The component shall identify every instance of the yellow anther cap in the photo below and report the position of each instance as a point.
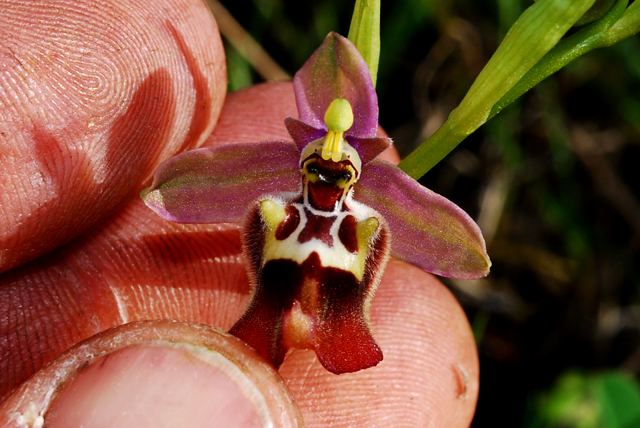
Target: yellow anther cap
(338, 118)
(339, 115)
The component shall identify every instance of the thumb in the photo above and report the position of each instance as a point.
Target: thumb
(154, 374)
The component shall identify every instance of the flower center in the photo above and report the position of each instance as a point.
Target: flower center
(338, 118)
(329, 165)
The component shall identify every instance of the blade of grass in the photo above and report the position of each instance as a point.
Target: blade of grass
(594, 36)
(365, 33)
(537, 30)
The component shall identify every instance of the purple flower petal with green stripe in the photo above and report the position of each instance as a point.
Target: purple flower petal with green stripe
(427, 229)
(219, 184)
(337, 70)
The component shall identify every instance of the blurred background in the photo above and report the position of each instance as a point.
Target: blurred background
(552, 181)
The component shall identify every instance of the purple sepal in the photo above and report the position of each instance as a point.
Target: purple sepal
(217, 185)
(303, 133)
(337, 70)
(427, 230)
(369, 148)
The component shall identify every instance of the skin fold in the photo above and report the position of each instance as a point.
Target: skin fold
(122, 263)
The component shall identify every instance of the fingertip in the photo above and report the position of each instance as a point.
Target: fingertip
(94, 102)
(255, 114)
(429, 341)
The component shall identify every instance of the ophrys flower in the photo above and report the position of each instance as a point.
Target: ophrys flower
(321, 216)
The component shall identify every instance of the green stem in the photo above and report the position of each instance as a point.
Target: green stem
(432, 151)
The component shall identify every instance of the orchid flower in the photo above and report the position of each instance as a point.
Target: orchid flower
(320, 215)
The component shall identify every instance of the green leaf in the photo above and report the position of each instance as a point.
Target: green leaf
(599, 8)
(365, 33)
(569, 403)
(608, 399)
(537, 30)
(627, 25)
(594, 36)
(619, 398)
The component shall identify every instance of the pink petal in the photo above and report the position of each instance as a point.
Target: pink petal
(337, 70)
(427, 230)
(217, 185)
(301, 133)
(369, 148)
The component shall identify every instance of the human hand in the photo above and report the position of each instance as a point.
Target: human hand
(137, 267)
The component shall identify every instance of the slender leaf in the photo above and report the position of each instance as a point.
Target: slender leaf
(537, 30)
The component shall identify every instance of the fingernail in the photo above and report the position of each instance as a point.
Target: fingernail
(159, 386)
(205, 379)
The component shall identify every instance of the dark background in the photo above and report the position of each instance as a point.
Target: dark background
(552, 180)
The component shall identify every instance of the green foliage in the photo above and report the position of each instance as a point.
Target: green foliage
(589, 38)
(577, 400)
(618, 397)
(524, 58)
(238, 70)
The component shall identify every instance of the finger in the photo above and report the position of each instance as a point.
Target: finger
(91, 101)
(430, 356)
(135, 267)
(415, 319)
(154, 374)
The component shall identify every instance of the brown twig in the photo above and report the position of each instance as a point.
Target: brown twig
(540, 261)
(590, 150)
(242, 41)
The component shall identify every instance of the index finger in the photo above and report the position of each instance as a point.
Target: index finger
(93, 96)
